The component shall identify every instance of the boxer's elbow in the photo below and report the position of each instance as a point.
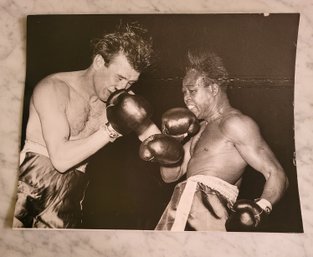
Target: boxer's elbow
(168, 179)
(170, 175)
(59, 167)
(58, 163)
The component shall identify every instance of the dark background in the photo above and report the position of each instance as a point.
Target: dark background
(259, 53)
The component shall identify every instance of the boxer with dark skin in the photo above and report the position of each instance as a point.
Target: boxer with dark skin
(226, 134)
(68, 123)
(215, 158)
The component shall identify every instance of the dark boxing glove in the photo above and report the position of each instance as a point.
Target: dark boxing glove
(127, 112)
(247, 215)
(179, 122)
(162, 149)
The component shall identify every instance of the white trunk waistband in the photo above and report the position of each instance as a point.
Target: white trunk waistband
(229, 191)
(34, 147)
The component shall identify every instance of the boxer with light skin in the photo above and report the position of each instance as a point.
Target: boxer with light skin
(215, 158)
(68, 123)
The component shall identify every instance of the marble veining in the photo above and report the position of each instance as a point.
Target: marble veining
(145, 243)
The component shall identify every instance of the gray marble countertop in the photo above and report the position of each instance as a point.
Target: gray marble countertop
(146, 243)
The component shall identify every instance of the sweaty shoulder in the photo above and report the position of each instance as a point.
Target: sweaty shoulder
(51, 88)
(238, 127)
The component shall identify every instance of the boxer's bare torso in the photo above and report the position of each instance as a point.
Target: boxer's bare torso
(213, 154)
(84, 116)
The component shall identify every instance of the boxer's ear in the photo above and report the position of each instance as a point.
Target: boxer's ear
(214, 88)
(98, 62)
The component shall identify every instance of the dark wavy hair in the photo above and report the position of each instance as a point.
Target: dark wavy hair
(130, 39)
(208, 63)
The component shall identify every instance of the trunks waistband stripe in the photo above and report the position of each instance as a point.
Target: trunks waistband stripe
(31, 146)
(230, 192)
(34, 147)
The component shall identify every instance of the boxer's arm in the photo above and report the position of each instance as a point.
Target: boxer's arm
(50, 99)
(172, 174)
(244, 133)
(151, 129)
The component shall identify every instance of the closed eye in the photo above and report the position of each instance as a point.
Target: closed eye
(120, 78)
(190, 91)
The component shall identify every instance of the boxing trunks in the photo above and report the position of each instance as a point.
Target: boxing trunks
(47, 198)
(200, 203)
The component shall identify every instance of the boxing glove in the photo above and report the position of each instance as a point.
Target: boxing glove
(127, 112)
(162, 149)
(179, 122)
(246, 215)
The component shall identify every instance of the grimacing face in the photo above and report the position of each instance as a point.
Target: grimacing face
(118, 74)
(198, 96)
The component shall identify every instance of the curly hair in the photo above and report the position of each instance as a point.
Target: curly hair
(208, 63)
(132, 40)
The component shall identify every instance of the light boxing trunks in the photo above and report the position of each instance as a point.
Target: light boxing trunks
(200, 203)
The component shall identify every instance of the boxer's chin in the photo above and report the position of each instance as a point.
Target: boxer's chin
(105, 95)
(194, 110)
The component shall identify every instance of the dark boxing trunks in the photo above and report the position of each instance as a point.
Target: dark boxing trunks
(47, 198)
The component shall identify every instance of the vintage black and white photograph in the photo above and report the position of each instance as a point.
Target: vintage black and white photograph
(166, 122)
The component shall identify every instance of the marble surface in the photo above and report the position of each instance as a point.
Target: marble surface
(143, 243)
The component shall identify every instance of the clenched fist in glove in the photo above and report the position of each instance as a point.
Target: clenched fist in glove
(247, 215)
(161, 148)
(127, 112)
(179, 122)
